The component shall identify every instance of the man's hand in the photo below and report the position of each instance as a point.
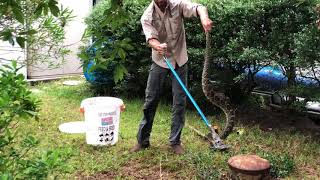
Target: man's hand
(156, 45)
(205, 20)
(161, 48)
(206, 24)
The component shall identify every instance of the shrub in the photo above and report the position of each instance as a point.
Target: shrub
(38, 27)
(248, 35)
(17, 104)
(119, 46)
(259, 33)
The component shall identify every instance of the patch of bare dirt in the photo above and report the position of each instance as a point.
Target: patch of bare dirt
(310, 172)
(269, 120)
(135, 169)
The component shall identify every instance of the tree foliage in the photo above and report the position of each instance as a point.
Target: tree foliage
(18, 156)
(38, 27)
(30, 24)
(113, 27)
(248, 35)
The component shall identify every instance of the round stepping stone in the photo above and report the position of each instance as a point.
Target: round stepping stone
(73, 127)
(71, 83)
(249, 167)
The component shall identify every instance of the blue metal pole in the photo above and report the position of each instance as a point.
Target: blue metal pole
(187, 92)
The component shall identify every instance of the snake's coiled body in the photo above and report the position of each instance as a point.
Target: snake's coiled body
(215, 96)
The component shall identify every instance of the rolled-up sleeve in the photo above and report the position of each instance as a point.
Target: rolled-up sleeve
(189, 9)
(149, 31)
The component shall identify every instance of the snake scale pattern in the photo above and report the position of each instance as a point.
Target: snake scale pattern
(215, 96)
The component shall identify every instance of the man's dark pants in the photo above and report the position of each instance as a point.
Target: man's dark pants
(156, 79)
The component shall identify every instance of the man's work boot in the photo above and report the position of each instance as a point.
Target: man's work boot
(138, 147)
(177, 149)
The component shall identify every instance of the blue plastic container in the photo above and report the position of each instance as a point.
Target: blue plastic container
(97, 76)
(273, 78)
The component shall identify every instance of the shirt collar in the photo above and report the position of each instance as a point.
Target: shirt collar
(158, 10)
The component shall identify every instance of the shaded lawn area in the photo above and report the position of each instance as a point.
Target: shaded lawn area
(294, 154)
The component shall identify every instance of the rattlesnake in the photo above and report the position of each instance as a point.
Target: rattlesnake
(215, 95)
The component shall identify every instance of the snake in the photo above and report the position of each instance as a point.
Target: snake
(214, 94)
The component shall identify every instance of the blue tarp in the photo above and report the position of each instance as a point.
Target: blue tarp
(273, 78)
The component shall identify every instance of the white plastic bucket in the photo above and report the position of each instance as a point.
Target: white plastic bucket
(102, 119)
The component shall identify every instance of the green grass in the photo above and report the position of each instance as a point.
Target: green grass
(294, 155)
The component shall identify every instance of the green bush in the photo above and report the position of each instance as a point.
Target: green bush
(17, 154)
(283, 31)
(139, 59)
(37, 26)
(119, 45)
(247, 34)
(253, 34)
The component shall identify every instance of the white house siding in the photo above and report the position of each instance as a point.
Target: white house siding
(9, 53)
(74, 31)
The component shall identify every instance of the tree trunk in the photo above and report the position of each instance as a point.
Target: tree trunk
(291, 74)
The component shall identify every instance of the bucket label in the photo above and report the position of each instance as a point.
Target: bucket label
(106, 121)
(106, 134)
(106, 137)
(105, 114)
(106, 128)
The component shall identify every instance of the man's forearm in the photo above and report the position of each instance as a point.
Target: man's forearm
(203, 12)
(204, 17)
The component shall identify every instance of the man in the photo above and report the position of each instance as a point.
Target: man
(162, 23)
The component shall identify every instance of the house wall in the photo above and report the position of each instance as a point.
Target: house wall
(9, 53)
(74, 31)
